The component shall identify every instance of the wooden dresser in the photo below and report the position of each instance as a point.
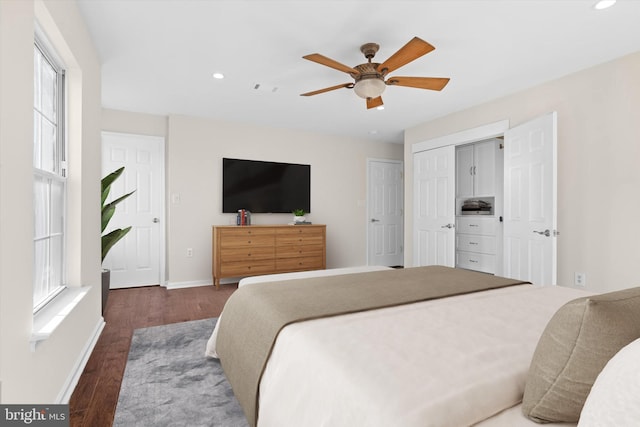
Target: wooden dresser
(252, 250)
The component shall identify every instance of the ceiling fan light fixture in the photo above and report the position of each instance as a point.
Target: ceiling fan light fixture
(604, 4)
(369, 87)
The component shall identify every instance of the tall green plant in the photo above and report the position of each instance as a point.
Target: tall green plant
(111, 238)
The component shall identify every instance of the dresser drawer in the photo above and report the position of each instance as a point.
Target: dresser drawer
(475, 261)
(252, 240)
(476, 243)
(245, 231)
(300, 235)
(476, 225)
(298, 264)
(253, 268)
(300, 230)
(293, 251)
(246, 253)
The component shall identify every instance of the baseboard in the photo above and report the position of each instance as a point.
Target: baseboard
(70, 384)
(189, 284)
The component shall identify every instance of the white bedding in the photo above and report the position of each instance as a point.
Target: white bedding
(312, 273)
(211, 343)
(448, 362)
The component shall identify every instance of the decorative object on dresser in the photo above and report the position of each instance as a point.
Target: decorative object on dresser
(266, 249)
(298, 216)
(243, 217)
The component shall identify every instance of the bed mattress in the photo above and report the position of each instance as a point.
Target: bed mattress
(449, 362)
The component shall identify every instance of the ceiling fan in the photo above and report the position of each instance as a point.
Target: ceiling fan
(370, 77)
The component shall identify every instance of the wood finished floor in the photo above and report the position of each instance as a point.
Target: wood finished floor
(93, 402)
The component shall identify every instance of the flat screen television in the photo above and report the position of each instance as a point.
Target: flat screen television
(265, 187)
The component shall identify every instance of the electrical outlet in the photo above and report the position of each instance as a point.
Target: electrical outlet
(189, 252)
(580, 279)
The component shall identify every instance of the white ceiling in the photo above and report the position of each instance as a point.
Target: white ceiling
(158, 56)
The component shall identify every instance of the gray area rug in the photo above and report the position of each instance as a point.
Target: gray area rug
(168, 381)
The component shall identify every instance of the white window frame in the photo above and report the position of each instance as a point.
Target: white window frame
(51, 280)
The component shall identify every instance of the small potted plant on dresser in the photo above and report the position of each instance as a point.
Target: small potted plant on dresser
(112, 237)
(298, 216)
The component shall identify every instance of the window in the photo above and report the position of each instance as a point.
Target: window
(49, 182)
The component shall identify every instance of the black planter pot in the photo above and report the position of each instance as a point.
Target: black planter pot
(106, 281)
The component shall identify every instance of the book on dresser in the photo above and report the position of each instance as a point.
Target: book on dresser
(254, 250)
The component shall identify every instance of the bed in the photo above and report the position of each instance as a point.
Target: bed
(450, 359)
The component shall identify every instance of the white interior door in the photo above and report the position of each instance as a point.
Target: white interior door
(434, 207)
(136, 260)
(530, 201)
(385, 212)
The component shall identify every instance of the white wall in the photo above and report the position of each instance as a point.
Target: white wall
(598, 155)
(194, 151)
(42, 376)
(194, 161)
(134, 123)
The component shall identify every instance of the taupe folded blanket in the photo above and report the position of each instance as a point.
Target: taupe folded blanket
(255, 314)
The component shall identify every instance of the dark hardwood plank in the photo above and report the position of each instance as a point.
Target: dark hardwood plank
(93, 402)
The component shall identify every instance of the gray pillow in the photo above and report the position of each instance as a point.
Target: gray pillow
(575, 346)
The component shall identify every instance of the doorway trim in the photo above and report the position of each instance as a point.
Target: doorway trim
(479, 133)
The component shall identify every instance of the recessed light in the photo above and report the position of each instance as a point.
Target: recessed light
(373, 132)
(604, 4)
(218, 76)
(381, 107)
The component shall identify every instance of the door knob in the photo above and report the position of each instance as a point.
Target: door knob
(546, 232)
(448, 226)
(375, 220)
(156, 220)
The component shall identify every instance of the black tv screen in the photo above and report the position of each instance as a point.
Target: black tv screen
(265, 187)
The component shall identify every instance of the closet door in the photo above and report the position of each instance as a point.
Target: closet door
(434, 207)
(530, 205)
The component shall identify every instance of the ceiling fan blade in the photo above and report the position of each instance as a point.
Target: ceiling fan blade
(374, 102)
(431, 83)
(327, 89)
(414, 49)
(323, 60)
